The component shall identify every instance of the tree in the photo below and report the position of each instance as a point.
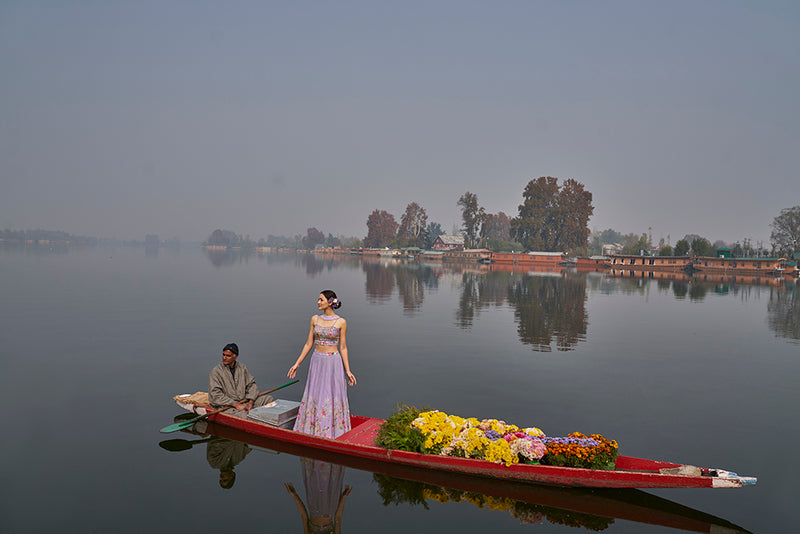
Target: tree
(381, 229)
(701, 247)
(224, 238)
(333, 241)
(682, 247)
(633, 244)
(553, 219)
(313, 238)
(472, 215)
(785, 234)
(600, 238)
(496, 227)
(412, 226)
(666, 250)
(433, 231)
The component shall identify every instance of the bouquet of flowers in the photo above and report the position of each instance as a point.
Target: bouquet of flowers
(577, 450)
(435, 432)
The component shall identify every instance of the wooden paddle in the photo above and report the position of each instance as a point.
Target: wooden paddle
(190, 422)
(176, 445)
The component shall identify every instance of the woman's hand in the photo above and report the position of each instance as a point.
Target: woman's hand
(292, 371)
(351, 378)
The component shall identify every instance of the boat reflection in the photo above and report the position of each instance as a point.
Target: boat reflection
(592, 509)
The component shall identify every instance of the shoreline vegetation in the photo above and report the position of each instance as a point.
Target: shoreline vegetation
(554, 218)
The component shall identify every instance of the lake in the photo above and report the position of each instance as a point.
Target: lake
(96, 342)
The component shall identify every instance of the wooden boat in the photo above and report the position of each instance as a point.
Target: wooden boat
(590, 508)
(630, 472)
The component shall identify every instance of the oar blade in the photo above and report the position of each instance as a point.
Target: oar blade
(177, 426)
(176, 445)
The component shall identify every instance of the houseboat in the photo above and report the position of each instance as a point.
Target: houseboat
(528, 258)
(731, 266)
(648, 263)
(469, 255)
(590, 263)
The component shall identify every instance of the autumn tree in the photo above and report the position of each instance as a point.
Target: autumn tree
(313, 238)
(553, 218)
(472, 216)
(412, 226)
(496, 226)
(381, 229)
(785, 234)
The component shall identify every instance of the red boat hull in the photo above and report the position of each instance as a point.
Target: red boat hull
(359, 443)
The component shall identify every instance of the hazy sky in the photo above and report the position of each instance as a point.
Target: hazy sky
(119, 119)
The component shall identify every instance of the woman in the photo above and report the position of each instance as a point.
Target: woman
(324, 410)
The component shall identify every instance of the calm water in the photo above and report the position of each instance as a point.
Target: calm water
(95, 344)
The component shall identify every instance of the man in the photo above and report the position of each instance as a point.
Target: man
(231, 384)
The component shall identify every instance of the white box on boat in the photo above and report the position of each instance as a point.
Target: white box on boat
(281, 412)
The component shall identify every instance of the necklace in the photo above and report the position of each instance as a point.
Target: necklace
(328, 317)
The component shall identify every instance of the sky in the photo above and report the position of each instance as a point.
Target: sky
(120, 119)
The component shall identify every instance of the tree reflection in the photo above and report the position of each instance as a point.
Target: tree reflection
(549, 309)
(312, 264)
(783, 316)
(411, 280)
(379, 281)
(480, 291)
(225, 257)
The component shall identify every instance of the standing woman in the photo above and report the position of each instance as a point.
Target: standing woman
(324, 410)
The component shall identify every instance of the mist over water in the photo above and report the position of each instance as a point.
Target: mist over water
(96, 342)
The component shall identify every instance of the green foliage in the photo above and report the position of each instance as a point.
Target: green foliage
(701, 247)
(681, 248)
(397, 433)
(473, 216)
(666, 250)
(785, 234)
(501, 245)
(634, 245)
(553, 218)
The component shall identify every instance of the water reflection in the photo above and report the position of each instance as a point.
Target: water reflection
(221, 453)
(325, 497)
(410, 278)
(398, 491)
(550, 310)
(549, 304)
(594, 510)
(222, 257)
(783, 312)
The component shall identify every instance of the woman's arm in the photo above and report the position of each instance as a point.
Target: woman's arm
(351, 379)
(306, 348)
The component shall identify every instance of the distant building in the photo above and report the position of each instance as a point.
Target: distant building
(448, 242)
(611, 248)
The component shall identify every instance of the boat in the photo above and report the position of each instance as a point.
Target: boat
(733, 266)
(590, 508)
(630, 262)
(629, 472)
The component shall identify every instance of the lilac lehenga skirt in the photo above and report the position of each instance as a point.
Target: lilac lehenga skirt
(324, 410)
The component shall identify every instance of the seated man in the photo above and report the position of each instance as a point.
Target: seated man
(231, 384)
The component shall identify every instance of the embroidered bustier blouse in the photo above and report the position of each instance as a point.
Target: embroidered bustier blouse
(326, 335)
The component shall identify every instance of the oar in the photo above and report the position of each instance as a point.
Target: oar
(175, 445)
(190, 422)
